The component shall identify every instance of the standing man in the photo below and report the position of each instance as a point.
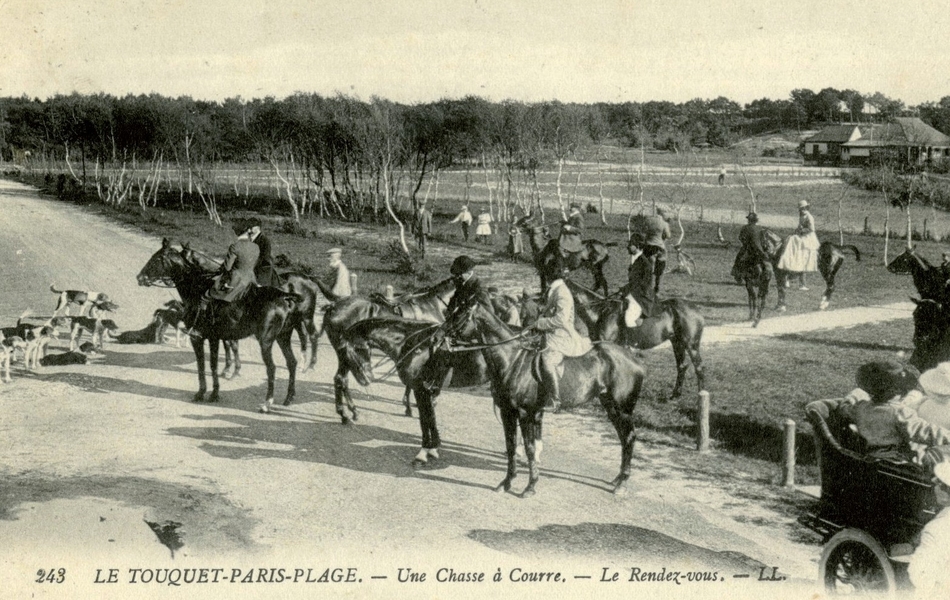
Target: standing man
(560, 337)
(465, 219)
(655, 234)
(264, 271)
(423, 228)
(337, 278)
(722, 175)
(928, 569)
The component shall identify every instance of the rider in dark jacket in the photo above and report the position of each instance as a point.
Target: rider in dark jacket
(753, 249)
(264, 270)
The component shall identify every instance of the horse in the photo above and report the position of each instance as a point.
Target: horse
(756, 278)
(306, 308)
(930, 281)
(410, 345)
(264, 312)
(677, 322)
(608, 372)
(427, 304)
(931, 334)
(593, 256)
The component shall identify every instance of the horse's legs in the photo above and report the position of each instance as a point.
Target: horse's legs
(267, 355)
(341, 390)
(406, 402)
(781, 280)
(427, 423)
(600, 280)
(532, 448)
(232, 362)
(199, 346)
(313, 335)
(751, 291)
(679, 353)
(829, 277)
(284, 341)
(626, 431)
(213, 348)
(509, 422)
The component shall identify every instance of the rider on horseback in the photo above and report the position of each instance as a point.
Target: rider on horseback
(560, 337)
(264, 270)
(752, 251)
(237, 271)
(640, 293)
(572, 231)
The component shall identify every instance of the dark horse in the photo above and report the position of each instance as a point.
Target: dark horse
(608, 372)
(931, 334)
(306, 328)
(930, 281)
(264, 312)
(757, 276)
(427, 304)
(593, 256)
(409, 344)
(677, 322)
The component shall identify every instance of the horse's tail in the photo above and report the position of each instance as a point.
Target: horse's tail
(857, 253)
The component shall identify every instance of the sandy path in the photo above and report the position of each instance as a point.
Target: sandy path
(92, 452)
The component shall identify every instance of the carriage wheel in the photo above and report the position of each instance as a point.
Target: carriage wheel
(853, 562)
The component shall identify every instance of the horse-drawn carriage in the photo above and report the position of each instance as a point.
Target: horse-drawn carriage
(867, 507)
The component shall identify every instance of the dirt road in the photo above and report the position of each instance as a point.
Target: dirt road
(94, 453)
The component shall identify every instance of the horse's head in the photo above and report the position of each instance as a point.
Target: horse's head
(355, 351)
(163, 267)
(931, 325)
(907, 262)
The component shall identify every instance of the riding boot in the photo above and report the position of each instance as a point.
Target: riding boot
(200, 313)
(550, 385)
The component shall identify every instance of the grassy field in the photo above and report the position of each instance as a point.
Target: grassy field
(754, 385)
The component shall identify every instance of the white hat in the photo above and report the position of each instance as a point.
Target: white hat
(942, 472)
(936, 381)
(802, 204)
(334, 251)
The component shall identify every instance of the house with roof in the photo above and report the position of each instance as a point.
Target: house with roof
(904, 140)
(825, 146)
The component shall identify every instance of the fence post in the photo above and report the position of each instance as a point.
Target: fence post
(353, 281)
(788, 468)
(702, 438)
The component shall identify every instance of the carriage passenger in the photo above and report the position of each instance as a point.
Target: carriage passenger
(885, 427)
(932, 401)
(927, 570)
(560, 337)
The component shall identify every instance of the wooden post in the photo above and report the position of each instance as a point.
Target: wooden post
(788, 468)
(702, 439)
(353, 283)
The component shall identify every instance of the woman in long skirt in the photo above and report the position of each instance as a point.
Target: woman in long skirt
(801, 250)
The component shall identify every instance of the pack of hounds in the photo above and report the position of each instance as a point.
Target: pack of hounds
(29, 339)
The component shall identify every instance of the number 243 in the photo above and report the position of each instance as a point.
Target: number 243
(51, 576)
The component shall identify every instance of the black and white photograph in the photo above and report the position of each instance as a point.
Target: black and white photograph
(474, 299)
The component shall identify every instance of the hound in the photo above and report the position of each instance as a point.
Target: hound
(9, 345)
(84, 299)
(37, 340)
(97, 327)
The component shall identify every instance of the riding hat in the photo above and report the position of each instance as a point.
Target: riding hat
(575, 205)
(241, 226)
(936, 381)
(462, 264)
(802, 204)
(334, 251)
(752, 217)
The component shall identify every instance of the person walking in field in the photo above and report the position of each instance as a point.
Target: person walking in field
(483, 229)
(801, 248)
(464, 218)
(722, 175)
(423, 228)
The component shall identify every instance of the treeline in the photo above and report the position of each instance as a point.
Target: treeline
(346, 156)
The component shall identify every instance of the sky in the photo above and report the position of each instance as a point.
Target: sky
(422, 50)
